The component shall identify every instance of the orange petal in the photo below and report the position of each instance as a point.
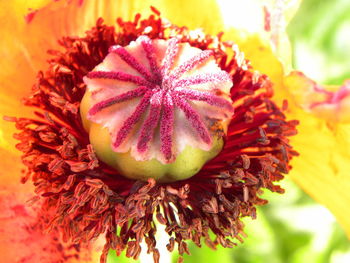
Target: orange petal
(17, 238)
(22, 238)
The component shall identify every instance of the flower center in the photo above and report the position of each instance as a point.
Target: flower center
(71, 183)
(158, 97)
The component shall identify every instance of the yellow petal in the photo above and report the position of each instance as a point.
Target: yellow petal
(322, 169)
(323, 141)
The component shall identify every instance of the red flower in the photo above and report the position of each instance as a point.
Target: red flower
(84, 198)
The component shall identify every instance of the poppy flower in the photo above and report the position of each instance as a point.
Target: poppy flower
(81, 195)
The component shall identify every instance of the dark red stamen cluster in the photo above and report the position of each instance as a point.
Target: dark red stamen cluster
(86, 198)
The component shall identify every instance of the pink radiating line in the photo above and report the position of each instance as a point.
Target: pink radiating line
(119, 76)
(194, 118)
(170, 54)
(132, 120)
(190, 64)
(166, 127)
(207, 97)
(131, 61)
(202, 79)
(117, 99)
(148, 47)
(148, 127)
(162, 89)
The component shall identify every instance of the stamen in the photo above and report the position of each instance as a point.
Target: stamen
(122, 76)
(166, 127)
(151, 123)
(131, 60)
(206, 97)
(191, 63)
(117, 99)
(151, 56)
(199, 79)
(170, 54)
(132, 120)
(194, 119)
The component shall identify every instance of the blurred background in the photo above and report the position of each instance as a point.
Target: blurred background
(320, 35)
(293, 228)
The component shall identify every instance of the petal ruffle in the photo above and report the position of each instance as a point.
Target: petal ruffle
(323, 142)
(330, 103)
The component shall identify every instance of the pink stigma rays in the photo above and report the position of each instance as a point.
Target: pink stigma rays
(158, 96)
